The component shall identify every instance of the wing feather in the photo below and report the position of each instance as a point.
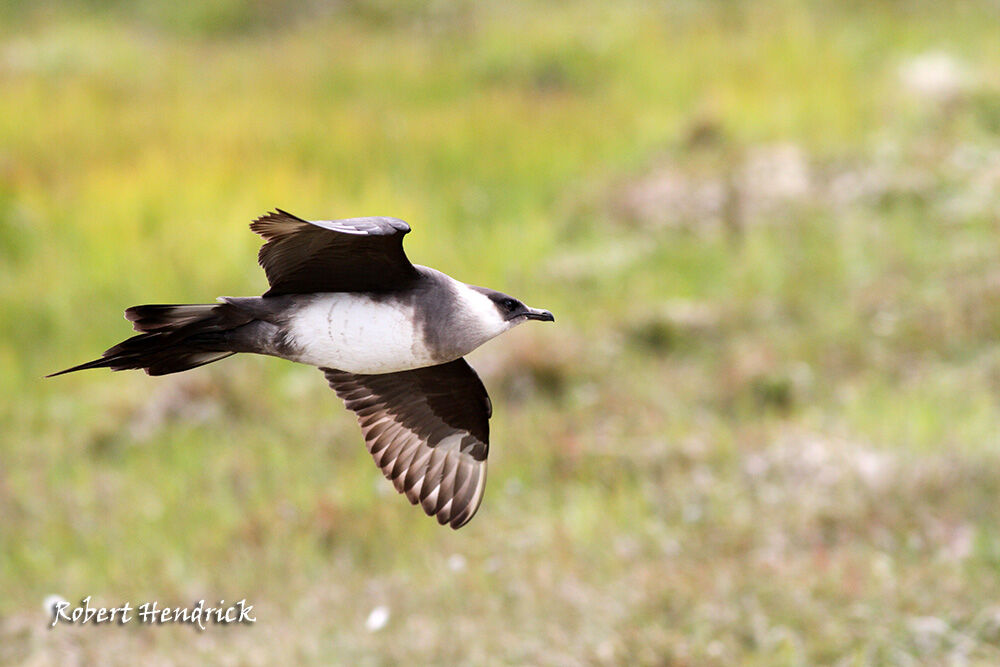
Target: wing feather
(428, 430)
(352, 255)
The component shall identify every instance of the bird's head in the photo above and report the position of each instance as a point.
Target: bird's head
(488, 313)
(513, 311)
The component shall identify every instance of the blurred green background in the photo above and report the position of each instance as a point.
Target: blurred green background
(764, 429)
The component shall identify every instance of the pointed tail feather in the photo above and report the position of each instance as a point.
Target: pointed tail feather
(174, 338)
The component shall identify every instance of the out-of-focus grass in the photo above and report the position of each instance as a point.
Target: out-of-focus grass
(763, 429)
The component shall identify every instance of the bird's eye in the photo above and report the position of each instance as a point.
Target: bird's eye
(509, 304)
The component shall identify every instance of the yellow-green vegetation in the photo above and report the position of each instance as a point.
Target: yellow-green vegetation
(763, 430)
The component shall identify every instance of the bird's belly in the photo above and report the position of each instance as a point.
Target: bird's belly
(357, 334)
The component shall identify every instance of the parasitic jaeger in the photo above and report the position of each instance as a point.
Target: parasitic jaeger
(390, 336)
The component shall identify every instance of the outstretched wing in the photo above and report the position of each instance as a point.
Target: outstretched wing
(428, 430)
(353, 255)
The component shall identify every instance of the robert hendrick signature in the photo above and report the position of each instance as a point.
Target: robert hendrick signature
(152, 613)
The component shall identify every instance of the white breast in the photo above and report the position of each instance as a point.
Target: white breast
(357, 334)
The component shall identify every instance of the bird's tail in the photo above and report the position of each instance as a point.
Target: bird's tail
(174, 338)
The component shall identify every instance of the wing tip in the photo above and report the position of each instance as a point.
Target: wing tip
(475, 501)
(263, 225)
(289, 215)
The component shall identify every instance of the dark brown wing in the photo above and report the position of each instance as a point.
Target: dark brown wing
(353, 255)
(428, 430)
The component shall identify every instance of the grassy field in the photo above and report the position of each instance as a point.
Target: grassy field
(763, 431)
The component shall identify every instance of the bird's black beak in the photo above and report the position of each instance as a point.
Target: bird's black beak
(541, 315)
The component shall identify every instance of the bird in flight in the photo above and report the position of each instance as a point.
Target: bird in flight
(390, 336)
